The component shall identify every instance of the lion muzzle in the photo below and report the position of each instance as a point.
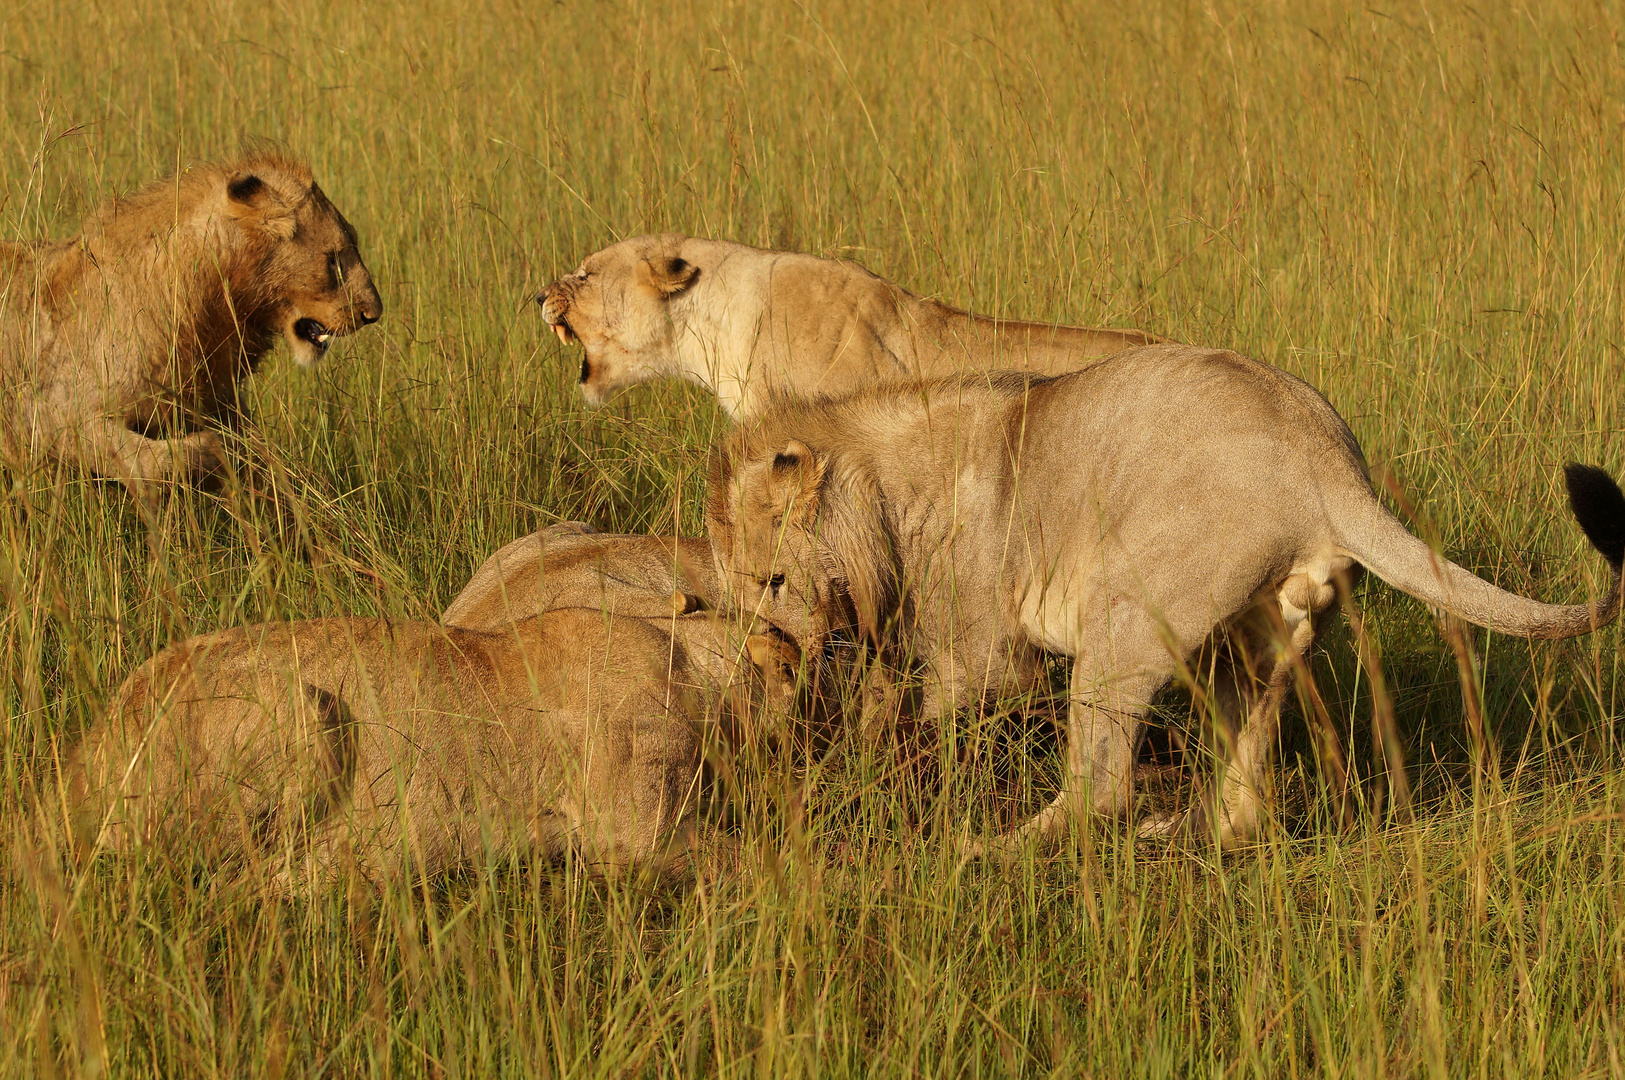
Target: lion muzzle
(555, 304)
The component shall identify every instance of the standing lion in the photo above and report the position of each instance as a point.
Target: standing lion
(1120, 515)
(123, 349)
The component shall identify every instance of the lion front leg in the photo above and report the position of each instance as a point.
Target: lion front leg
(1105, 721)
(145, 466)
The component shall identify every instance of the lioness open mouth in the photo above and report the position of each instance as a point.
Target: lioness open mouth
(562, 329)
(314, 332)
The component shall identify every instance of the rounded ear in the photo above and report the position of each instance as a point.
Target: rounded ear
(795, 477)
(253, 202)
(667, 274)
(245, 188)
(683, 603)
(794, 453)
(760, 648)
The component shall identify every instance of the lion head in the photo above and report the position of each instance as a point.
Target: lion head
(616, 306)
(261, 228)
(308, 275)
(792, 543)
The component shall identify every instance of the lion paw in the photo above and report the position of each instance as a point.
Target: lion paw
(1161, 825)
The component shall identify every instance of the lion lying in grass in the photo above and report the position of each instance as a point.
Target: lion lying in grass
(569, 565)
(389, 745)
(123, 349)
(746, 324)
(1121, 515)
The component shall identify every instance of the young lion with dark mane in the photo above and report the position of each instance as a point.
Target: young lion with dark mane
(122, 349)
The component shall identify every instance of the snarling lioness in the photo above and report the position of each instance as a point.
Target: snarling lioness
(410, 745)
(123, 348)
(570, 565)
(746, 323)
(1119, 515)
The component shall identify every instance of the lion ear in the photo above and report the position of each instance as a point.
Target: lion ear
(795, 477)
(718, 510)
(667, 274)
(246, 189)
(760, 648)
(252, 202)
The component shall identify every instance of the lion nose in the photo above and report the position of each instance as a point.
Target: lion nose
(371, 311)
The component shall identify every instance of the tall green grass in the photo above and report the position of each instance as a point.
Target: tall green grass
(1418, 210)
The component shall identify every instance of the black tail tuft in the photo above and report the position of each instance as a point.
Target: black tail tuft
(1599, 507)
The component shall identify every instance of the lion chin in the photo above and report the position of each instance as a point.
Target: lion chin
(308, 339)
(593, 394)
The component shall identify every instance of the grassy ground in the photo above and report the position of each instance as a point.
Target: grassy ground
(1417, 210)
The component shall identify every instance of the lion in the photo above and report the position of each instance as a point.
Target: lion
(123, 349)
(570, 565)
(1119, 515)
(391, 746)
(747, 323)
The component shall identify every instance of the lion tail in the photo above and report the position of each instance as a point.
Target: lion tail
(1381, 542)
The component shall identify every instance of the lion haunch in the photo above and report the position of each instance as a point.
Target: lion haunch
(123, 348)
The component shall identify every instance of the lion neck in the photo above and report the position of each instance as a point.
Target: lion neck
(202, 282)
(702, 326)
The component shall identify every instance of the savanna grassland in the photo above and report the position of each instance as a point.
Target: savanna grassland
(1419, 210)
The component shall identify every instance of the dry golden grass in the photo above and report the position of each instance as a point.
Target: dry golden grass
(1418, 210)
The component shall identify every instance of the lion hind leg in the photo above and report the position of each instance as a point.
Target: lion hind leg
(1233, 688)
(1242, 798)
(1241, 804)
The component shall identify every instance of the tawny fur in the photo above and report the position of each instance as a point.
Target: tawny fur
(122, 348)
(747, 323)
(382, 745)
(570, 565)
(1118, 515)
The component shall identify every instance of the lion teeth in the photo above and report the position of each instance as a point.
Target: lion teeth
(564, 335)
(321, 339)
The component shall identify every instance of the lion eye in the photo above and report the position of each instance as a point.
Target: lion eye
(776, 583)
(335, 272)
